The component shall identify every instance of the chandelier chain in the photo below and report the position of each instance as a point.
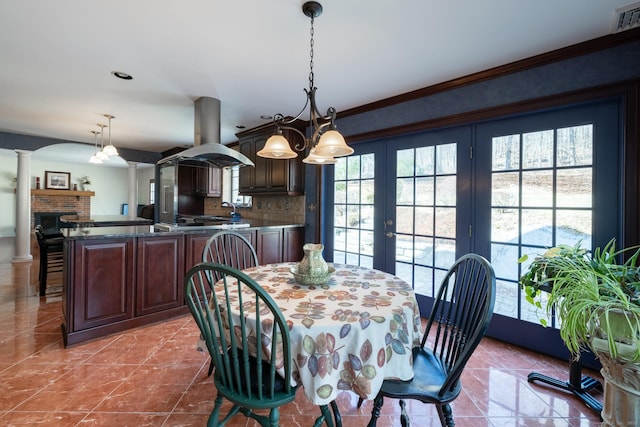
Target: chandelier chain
(325, 142)
(311, 56)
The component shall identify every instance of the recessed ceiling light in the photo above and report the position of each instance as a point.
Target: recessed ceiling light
(266, 117)
(121, 75)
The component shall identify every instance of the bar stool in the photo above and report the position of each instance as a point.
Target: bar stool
(51, 256)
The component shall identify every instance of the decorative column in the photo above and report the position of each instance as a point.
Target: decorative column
(23, 208)
(132, 199)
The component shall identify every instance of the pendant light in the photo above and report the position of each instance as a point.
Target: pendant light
(95, 159)
(101, 154)
(325, 142)
(110, 149)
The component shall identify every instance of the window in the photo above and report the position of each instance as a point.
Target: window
(152, 191)
(231, 187)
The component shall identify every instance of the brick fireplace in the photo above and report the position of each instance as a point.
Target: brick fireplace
(56, 203)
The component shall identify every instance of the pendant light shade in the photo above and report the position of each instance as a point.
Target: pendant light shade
(101, 154)
(277, 147)
(95, 159)
(110, 149)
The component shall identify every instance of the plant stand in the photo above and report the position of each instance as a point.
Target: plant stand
(621, 392)
(577, 384)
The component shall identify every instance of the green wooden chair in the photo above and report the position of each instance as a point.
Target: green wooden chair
(459, 319)
(232, 249)
(246, 371)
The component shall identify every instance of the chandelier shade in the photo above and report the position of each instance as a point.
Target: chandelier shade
(277, 147)
(316, 159)
(325, 142)
(332, 144)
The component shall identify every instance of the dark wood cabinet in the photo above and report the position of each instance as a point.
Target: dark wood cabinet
(214, 182)
(160, 261)
(189, 201)
(114, 284)
(269, 176)
(199, 181)
(293, 240)
(102, 275)
(269, 245)
(194, 244)
(185, 180)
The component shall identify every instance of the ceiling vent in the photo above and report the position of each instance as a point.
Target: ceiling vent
(626, 18)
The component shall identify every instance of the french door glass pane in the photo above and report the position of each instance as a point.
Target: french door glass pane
(541, 196)
(426, 187)
(354, 210)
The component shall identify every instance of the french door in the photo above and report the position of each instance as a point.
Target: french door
(542, 180)
(403, 206)
(412, 204)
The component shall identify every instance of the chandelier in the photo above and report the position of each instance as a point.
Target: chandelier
(325, 143)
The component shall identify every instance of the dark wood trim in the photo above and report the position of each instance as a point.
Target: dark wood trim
(506, 110)
(572, 51)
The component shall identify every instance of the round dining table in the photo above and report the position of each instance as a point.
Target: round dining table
(348, 334)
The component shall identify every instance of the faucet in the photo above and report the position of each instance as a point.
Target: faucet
(229, 204)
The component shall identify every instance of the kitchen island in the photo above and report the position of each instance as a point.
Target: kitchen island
(117, 278)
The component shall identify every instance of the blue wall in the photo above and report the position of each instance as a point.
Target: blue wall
(604, 67)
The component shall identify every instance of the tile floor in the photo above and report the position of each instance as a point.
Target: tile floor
(152, 376)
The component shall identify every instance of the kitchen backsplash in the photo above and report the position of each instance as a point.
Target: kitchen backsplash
(275, 208)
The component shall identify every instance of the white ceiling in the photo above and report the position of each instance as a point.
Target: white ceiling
(57, 57)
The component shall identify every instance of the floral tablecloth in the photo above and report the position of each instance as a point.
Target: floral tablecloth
(348, 334)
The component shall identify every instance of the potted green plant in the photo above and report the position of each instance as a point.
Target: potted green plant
(86, 183)
(597, 300)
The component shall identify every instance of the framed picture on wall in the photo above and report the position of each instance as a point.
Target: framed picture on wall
(57, 180)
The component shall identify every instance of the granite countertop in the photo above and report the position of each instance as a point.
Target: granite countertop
(93, 232)
(103, 220)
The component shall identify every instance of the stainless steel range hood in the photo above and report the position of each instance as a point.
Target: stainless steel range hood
(207, 147)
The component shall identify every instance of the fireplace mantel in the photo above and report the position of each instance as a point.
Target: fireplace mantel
(62, 193)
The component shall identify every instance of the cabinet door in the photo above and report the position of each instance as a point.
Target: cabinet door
(185, 180)
(214, 184)
(293, 242)
(278, 174)
(194, 244)
(160, 273)
(249, 234)
(269, 245)
(246, 174)
(263, 166)
(200, 181)
(271, 176)
(102, 282)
